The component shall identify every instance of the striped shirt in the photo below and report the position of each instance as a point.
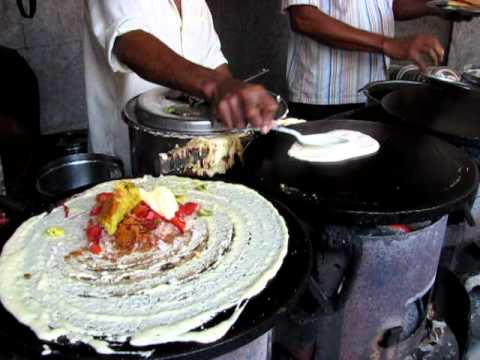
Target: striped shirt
(318, 74)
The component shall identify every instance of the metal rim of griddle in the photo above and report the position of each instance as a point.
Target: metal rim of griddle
(144, 121)
(384, 87)
(258, 317)
(311, 205)
(385, 83)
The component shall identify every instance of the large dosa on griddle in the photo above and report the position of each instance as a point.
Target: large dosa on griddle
(149, 297)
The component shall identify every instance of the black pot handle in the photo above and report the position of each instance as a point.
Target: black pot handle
(32, 8)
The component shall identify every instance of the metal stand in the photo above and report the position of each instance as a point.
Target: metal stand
(380, 306)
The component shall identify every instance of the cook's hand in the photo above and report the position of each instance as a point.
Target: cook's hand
(236, 103)
(418, 49)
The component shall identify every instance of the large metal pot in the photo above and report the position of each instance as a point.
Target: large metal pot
(155, 131)
(71, 174)
(63, 143)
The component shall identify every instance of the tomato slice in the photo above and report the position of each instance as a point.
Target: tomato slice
(105, 196)
(151, 215)
(94, 233)
(95, 249)
(150, 225)
(96, 210)
(188, 209)
(142, 210)
(179, 223)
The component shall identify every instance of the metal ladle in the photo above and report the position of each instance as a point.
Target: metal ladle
(312, 139)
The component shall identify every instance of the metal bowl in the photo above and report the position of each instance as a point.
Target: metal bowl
(71, 174)
(472, 76)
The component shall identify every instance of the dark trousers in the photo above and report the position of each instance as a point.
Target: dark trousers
(318, 112)
(19, 122)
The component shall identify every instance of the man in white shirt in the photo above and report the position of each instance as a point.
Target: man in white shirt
(338, 46)
(132, 46)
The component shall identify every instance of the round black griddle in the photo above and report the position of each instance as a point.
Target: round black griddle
(454, 115)
(413, 177)
(257, 318)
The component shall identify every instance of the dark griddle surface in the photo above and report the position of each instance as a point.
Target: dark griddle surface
(413, 177)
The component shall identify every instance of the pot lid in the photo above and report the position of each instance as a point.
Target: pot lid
(453, 114)
(154, 110)
(413, 177)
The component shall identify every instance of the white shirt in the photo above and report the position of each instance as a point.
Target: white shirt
(321, 75)
(110, 84)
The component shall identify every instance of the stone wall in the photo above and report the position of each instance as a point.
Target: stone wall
(428, 25)
(465, 47)
(52, 45)
(253, 34)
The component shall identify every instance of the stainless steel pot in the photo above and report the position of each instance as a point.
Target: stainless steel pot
(70, 174)
(155, 131)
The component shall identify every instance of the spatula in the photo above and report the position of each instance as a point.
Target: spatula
(312, 139)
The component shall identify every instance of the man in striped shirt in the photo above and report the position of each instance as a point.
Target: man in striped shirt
(338, 46)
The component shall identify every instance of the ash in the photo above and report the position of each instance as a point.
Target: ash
(474, 350)
(439, 345)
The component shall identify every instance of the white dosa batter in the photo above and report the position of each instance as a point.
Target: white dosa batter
(137, 298)
(339, 145)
